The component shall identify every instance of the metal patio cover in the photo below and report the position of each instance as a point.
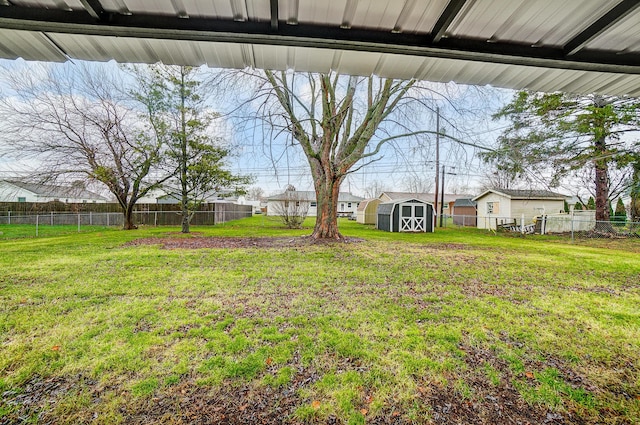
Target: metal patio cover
(580, 46)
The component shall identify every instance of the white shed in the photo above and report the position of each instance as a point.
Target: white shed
(500, 206)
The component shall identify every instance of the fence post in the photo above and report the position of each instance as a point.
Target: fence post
(37, 219)
(78, 222)
(107, 219)
(155, 219)
(572, 217)
(52, 218)
(9, 217)
(90, 218)
(522, 224)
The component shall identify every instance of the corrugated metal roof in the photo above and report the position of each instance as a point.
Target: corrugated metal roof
(582, 46)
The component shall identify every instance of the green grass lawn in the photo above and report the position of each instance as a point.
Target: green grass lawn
(398, 328)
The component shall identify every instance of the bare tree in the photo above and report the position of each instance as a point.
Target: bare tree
(77, 123)
(333, 118)
(418, 184)
(255, 193)
(292, 209)
(375, 189)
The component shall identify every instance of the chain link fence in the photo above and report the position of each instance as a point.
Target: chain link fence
(149, 218)
(573, 226)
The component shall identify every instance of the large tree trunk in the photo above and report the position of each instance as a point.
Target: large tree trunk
(185, 216)
(128, 218)
(327, 188)
(602, 193)
(602, 181)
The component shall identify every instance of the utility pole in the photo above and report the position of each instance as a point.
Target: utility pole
(442, 197)
(435, 202)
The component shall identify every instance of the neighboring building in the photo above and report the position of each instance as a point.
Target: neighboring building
(161, 196)
(465, 212)
(405, 215)
(302, 200)
(449, 199)
(19, 191)
(499, 206)
(367, 211)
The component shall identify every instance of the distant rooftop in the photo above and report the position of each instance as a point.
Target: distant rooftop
(310, 196)
(526, 194)
(54, 191)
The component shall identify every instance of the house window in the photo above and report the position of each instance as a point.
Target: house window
(286, 204)
(349, 205)
(341, 207)
(297, 203)
(22, 199)
(493, 207)
(314, 204)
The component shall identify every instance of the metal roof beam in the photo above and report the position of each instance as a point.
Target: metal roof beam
(316, 36)
(274, 15)
(448, 15)
(94, 8)
(609, 19)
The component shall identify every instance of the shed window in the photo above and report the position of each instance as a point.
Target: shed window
(493, 207)
(22, 199)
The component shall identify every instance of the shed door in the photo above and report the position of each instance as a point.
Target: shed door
(413, 218)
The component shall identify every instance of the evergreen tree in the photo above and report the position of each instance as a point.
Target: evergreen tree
(567, 133)
(175, 100)
(620, 214)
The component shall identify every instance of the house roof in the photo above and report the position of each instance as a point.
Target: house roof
(310, 196)
(525, 194)
(427, 197)
(57, 192)
(464, 202)
(571, 45)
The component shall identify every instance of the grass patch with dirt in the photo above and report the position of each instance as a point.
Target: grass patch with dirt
(457, 326)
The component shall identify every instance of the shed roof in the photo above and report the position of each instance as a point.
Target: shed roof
(581, 46)
(427, 197)
(525, 194)
(402, 201)
(364, 204)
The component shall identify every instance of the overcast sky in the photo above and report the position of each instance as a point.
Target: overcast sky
(404, 165)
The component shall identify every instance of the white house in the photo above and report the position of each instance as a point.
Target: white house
(19, 191)
(305, 200)
(499, 206)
